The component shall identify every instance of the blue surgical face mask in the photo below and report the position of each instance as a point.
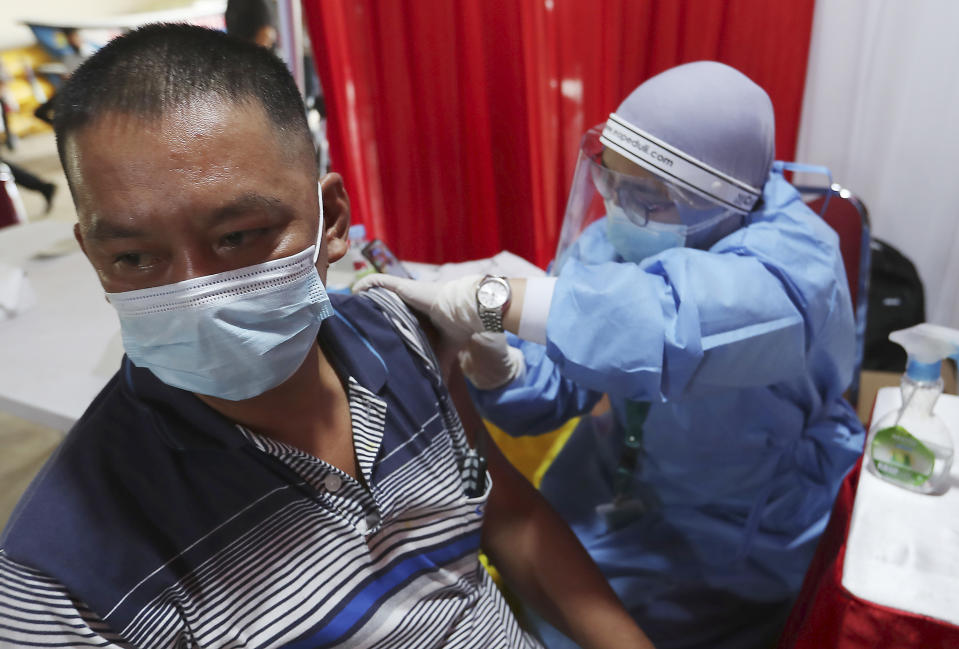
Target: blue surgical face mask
(232, 335)
(637, 242)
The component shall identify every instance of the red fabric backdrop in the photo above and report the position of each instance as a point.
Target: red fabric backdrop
(456, 124)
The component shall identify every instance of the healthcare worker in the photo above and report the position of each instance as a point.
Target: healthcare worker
(696, 289)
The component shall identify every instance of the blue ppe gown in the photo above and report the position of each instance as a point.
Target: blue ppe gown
(742, 353)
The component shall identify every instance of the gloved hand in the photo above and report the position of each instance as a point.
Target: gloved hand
(489, 362)
(451, 306)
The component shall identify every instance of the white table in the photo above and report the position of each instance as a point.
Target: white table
(901, 546)
(56, 356)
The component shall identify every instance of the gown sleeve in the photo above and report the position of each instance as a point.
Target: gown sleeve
(538, 401)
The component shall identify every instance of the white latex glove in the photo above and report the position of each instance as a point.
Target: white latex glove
(451, 306)
(489, 362)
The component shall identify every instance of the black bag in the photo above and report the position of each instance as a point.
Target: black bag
(896, 301)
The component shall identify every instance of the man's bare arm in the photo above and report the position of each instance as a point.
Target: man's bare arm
(540, 557)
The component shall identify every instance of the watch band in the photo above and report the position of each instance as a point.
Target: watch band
(492, 317)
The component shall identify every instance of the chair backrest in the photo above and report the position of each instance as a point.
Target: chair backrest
(847, 215)
(11, 207)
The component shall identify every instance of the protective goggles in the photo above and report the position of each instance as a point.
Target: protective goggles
(639, 193)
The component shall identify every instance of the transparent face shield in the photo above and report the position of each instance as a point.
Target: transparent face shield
(643, 213)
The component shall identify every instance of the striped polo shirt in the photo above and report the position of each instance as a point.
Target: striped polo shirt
(159, 523)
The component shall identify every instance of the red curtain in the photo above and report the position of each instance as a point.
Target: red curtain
(456, 123)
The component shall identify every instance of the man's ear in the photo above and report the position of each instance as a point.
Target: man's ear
(336, 215)
(78, 235)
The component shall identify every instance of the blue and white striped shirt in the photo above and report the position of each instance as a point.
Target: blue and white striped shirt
(159, 523)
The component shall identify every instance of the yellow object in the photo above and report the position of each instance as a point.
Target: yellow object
(532, 455)
(13, 59)
(22, 121)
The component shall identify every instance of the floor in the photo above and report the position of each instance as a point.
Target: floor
(24, 446)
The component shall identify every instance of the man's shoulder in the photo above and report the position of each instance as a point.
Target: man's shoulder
(372, 307)
(143, 474)
(73, 463)
(72, 501)
(80, 475)
(385, 321)
(390, 353)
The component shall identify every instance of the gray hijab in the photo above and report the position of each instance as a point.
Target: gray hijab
(711, 112)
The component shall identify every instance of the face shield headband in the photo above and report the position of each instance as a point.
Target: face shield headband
(673, 165)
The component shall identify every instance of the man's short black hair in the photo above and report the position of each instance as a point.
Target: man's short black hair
(155, 70)
(244, 18)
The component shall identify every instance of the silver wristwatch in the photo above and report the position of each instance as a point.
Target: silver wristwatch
(492, 299)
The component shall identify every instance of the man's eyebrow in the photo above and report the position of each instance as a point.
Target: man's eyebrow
(248, 203)
(103, 230)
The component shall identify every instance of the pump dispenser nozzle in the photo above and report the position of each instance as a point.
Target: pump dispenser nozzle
(927, 345)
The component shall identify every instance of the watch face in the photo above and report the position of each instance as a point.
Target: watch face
(492, 294)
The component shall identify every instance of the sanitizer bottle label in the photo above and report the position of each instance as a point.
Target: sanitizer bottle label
(900, 456)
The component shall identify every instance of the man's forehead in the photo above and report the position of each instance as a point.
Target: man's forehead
(188, 127)
(199, 132)
(198, 117)
(129, 166)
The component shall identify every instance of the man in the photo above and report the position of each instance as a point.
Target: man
(26, 179)
(252, 20)
(267, 468)
(698, 291)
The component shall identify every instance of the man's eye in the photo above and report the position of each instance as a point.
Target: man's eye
(134, 260)
(237, 239)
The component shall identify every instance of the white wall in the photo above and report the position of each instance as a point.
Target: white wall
(880, 109)
(13, 34)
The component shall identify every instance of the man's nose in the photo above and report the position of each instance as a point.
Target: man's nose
(198, 261)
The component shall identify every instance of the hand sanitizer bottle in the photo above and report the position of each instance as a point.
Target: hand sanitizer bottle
(912, 447)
